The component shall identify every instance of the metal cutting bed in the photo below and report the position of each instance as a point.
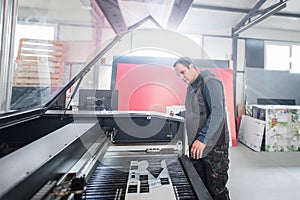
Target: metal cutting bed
(111, 178)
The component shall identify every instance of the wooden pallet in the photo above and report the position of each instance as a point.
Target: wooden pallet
(39, 63)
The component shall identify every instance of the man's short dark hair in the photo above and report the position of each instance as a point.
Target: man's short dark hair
(185, 61)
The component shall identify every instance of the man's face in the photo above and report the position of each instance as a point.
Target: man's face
(188, 75)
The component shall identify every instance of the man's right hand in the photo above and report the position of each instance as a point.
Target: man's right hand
(197, 149)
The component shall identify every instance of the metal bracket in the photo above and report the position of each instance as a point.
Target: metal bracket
(255, 16)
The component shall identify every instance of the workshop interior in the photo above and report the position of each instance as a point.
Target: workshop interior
(91, 105)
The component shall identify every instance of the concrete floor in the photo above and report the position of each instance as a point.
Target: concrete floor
(263, 175)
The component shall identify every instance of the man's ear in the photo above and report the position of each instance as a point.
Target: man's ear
(190, 66)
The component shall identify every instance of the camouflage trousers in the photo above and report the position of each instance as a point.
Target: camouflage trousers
(213, 170)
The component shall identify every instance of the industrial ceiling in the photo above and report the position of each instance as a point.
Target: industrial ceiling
(210, 17)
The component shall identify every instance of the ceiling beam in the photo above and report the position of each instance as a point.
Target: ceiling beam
(112, 12)
(248, 16)
(178, 11)
(255, 16)
(240, 10)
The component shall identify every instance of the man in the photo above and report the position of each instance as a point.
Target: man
(206, 126)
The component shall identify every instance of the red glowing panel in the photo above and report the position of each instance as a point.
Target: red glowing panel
(148, 87)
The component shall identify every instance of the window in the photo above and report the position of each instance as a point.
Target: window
(282, 56)
(33, 32)
(33, 69)
(295, 59)
(277, 57)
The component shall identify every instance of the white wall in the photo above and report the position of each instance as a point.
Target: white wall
(168, 41)
(217, 48)
(271, 34)
(68, 33)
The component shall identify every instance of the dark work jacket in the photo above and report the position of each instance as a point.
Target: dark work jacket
(205, 112)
